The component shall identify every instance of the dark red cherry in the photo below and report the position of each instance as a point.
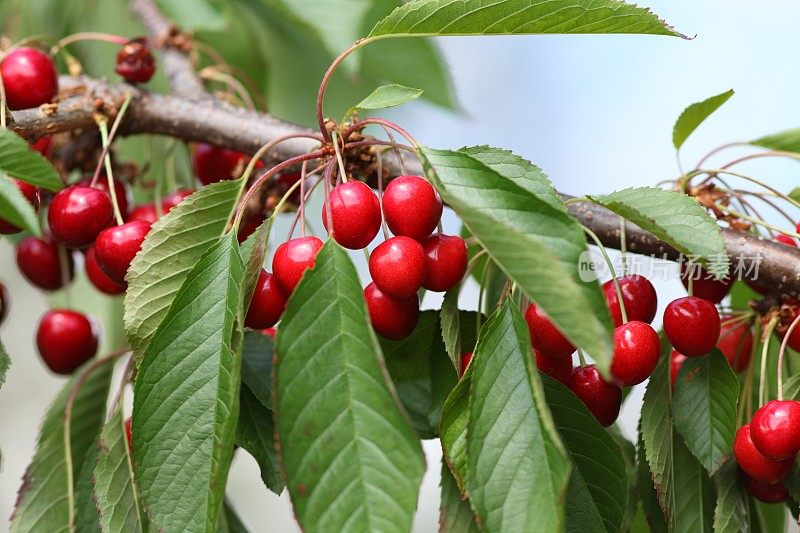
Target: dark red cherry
(116, 247)
(29, 77)
(466, 357)
(66, 340)
(558, 368)
(445, 261)
(705, 285)
(213, 163)
(356, 214)
(100, 279)
(250, 223)
(692, 325)
(794, 337)
(135, 63)
(545, 336)
(121, 189)
(31, 194)
(785, 239)
(292, 259)
(144, 212)
(766, 492)
(173, 199)
(636, 353)
(775, 429)
(43, 145)
(754, 463)
(268, 303)
(392, 318)
(676, 360)
(412, 207)
(287, 179)
(3, 302)
(40, 262)
(78, 214)
(397, 266)
(128, 433)
(736, 342)
(638, 295)
(603, 399)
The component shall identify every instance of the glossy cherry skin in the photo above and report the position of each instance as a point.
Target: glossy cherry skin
(766, 492)
(466, 357)
(43, 145)
(356, 214)
(775, 429)
(545, 337)
(636, 353)
(676, 360)
(40, 263)
(736, 342)
(144, 212)
(268, 303)
(754, 463)
(445, 261)
(704, 285)
(29, 77)
(213, 163)
(66, 340)
(135, 63)
(292, 259)
(558, 368)
(121, 189)
(392, 318)
(397, 266)
(411, 206)
(31, 194)
(3, 302)
(173, 199)
(638, 295)
(116, 247)
(78, 214)
(100, 279)
(248, 226)
(603, 399)
(692, 325)
(785, 239)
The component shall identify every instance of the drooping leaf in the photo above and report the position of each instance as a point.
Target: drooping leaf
(255, 432)
(628, 450)
(694, 115)
(517, 469)
(786, 141)
(694, 492)
(186, 396)
(42, 502)
(453, 429)
(18, 160)
(350, 457)
(704, 408)
(16, 209)
(455, 514)
(258, 350)
(675, 218)
(647, 492)
(198, 15)
(450, 325)
(172, 248)
(512, 17)
(730, 513)
(388, 96)
(592, 504)
(536, 244)
(87, 518)
(253, 251)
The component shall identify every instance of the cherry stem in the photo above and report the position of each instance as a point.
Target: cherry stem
(213, 74)
(381, 122)
(3, 105)
(339, 159)
(581, 358)
(780, 354)
(623, 246)
(112, 191)
(396, 149)
(474, 260)
(717, 150)
(745, 177)
(63, 265)
(384, 227)
(378, 142)
(757, 221)
(771, 153)
(303, 199)
(324, 85)
(88, 36)
(326, 178)
(747, 390)
(107, 146)
(484, 279)
(610, 265)
(765, 338)
(763, 197)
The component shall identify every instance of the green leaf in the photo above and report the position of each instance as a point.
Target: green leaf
(197, 15)
(16, 209)
(174, 245)
(647, 492)
(536, 244)
(517, 469)
(388, 96)
(253, 251)
(258, 350)
(43, 503)
(795, 194)
(115, 491)
(512, 17)
(255, 432)
(628, 450)
(453, 429)
(450, 323)
(704, 408)
(186, 396)
(791, 388)
(785, 141)
(694, 493)
(597, 496)
(351, 459)
(694, 115)
(87, 518)
(730, 514)
(5, 363)
(229, 521)
(455, 514)
(18, 160)
(675, 218)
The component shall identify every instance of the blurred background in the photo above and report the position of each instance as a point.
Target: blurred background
(595, 112)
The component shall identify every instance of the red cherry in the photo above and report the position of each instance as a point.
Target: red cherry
(603, 399)
(291, 260)
(144, 212)
(3, 302)
(268, 303)
(445, 261)
(397, 266)
(676, 360)
(249, 225)
(775, 429)
(545, 336)
(704, 285)
(66, 340)
(287, 179)
(116, 247)
(39, 261)
(100, 279)
(558, 368)
(135, 63)
(173, 199)
(785, 239)
(636, 353)
(29, 77)
(271, 332)
(43, 145)
(466, 357)
(766, 492)
(692, 325)
(392, 318)
(31, 194)
(356, 214)
(736, 342)
(128, 434)
(754, 463)
(214, 163)
(639, 297)
(78, 214)
(794, 337)
(121, 189)
(412, 207)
